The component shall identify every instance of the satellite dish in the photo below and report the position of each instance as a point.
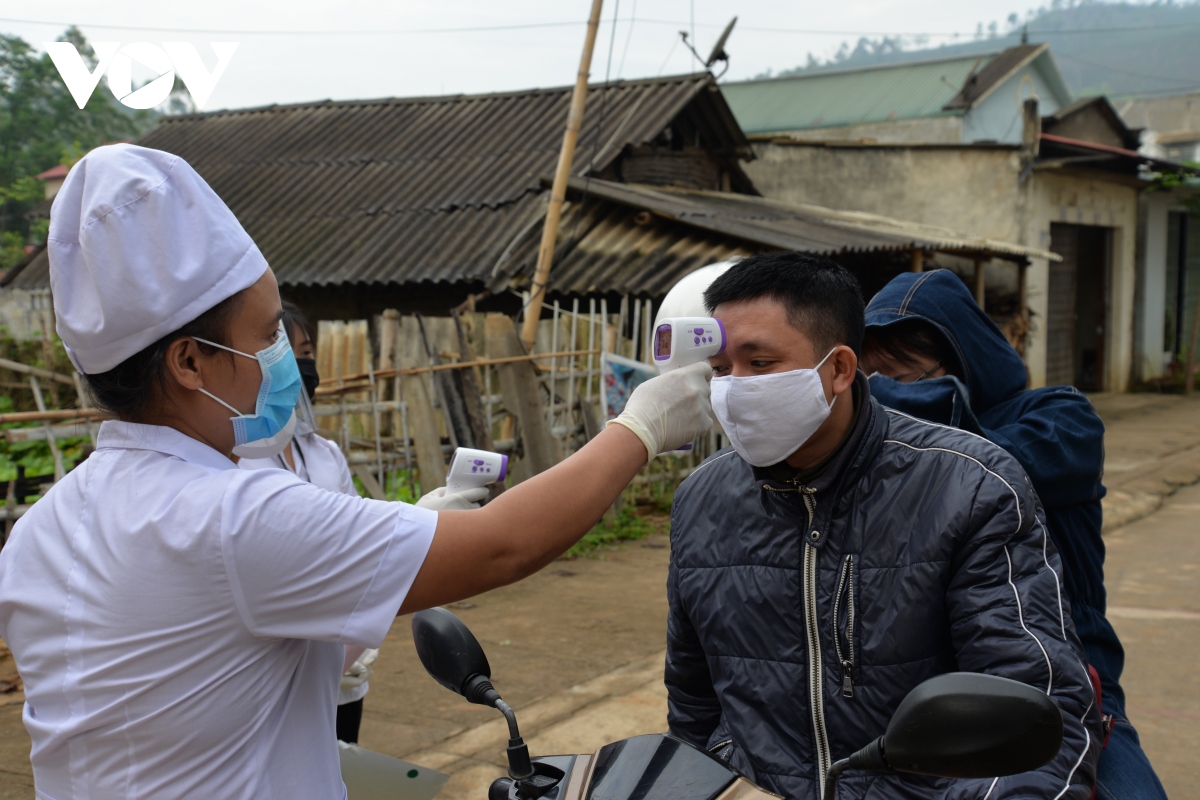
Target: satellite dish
(718, 51)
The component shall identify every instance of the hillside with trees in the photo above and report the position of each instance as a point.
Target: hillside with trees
(1118, 49)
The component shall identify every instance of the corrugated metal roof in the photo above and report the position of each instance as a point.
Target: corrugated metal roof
(421, 189)
(34, 275)
(797, 226)
(636, 239)
(991, 73)
(854, 96)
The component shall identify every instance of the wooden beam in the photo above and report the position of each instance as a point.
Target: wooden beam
(918, 260)
(25, 369)
(424, 428)
(980, 283)
(350, 382)
(53, 415)
(522, 397)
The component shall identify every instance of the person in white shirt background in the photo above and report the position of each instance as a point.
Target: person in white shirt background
(319, 461)
(181, 624)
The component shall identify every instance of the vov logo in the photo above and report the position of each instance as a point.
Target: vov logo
(117, 61)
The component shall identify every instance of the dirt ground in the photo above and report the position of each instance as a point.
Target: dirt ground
(580, 644)
(569, 623)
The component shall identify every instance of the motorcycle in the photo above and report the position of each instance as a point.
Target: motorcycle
(956, 725)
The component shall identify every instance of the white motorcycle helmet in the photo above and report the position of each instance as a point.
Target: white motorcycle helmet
(686, 298)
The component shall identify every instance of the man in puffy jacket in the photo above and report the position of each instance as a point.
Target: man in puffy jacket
(842, 553)
(942, 359)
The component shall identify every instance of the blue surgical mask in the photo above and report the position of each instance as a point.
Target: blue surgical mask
(266, 432)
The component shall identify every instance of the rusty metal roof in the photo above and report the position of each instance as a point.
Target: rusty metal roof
(419, 189)
(635, 239)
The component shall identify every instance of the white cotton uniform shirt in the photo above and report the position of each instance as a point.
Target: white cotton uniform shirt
(321, 463)
(179, 623)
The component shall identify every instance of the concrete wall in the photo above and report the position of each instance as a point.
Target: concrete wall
(1151, 351)
(932, 130)
(998, 117)
(972, 190)
(25, 313)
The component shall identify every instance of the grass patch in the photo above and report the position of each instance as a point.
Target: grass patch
(628, 525)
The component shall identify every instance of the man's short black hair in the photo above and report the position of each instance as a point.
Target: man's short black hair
(822, 298)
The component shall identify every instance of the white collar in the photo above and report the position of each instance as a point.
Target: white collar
(117, 435)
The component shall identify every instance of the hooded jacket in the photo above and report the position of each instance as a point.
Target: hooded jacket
(1053, 432)
(800, 616)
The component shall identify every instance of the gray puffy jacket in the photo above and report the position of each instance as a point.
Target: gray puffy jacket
(801, 616)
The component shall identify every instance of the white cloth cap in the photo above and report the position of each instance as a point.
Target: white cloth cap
(139, 246)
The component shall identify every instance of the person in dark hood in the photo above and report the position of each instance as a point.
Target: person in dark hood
(932, 352)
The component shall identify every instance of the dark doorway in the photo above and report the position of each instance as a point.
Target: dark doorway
(1077, 319)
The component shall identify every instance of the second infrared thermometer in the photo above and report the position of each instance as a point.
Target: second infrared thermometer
(470, 469)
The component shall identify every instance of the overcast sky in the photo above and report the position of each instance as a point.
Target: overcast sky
(363, 49)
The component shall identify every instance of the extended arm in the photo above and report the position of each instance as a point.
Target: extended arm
(531, 524)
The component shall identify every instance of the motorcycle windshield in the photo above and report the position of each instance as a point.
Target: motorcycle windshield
(657, 767)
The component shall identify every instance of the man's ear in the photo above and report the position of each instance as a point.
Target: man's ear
(183, 363)
(845, 367)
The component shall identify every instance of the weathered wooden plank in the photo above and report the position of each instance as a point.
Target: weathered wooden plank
(522, 395)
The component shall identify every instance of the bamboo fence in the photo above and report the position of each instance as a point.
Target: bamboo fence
(407, 390)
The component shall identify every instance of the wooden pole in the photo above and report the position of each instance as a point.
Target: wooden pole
(918, 260)
(558, 192)
(980, 283)
(53, 415)
(1189, 374)
(59, 470)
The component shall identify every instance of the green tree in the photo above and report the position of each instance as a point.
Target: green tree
(40, 126)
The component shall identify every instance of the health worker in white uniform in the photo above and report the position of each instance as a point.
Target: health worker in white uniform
(180, 624)
(319, 461)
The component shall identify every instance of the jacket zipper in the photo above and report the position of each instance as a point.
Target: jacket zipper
(846, 657)
(815, 679)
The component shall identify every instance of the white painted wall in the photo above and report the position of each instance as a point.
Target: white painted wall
(1151, 351)
(998, 118)
(25, 313)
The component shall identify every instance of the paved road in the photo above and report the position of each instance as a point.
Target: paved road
(1153, 579)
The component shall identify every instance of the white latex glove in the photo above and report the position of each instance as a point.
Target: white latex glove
(360, 670)
(438, 500)
(671, 410)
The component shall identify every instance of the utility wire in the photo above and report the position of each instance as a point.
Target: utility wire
(628, 37)
(1174, 79)
(568, 24)
(674, 43)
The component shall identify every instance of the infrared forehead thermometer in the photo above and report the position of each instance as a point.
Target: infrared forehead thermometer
(470, 469)
(679, 341)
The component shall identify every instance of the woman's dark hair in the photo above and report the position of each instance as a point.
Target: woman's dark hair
(129, 389)
(293, 318)
(909, 339)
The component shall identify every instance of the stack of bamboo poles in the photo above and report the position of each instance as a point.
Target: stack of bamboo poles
(72, 423)
(407, 390)
(434, 384)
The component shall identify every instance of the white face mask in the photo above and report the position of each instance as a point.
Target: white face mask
(769, 417)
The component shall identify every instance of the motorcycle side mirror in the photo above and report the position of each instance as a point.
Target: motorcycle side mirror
(964, 725)
(454, 658)
(448, 650)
